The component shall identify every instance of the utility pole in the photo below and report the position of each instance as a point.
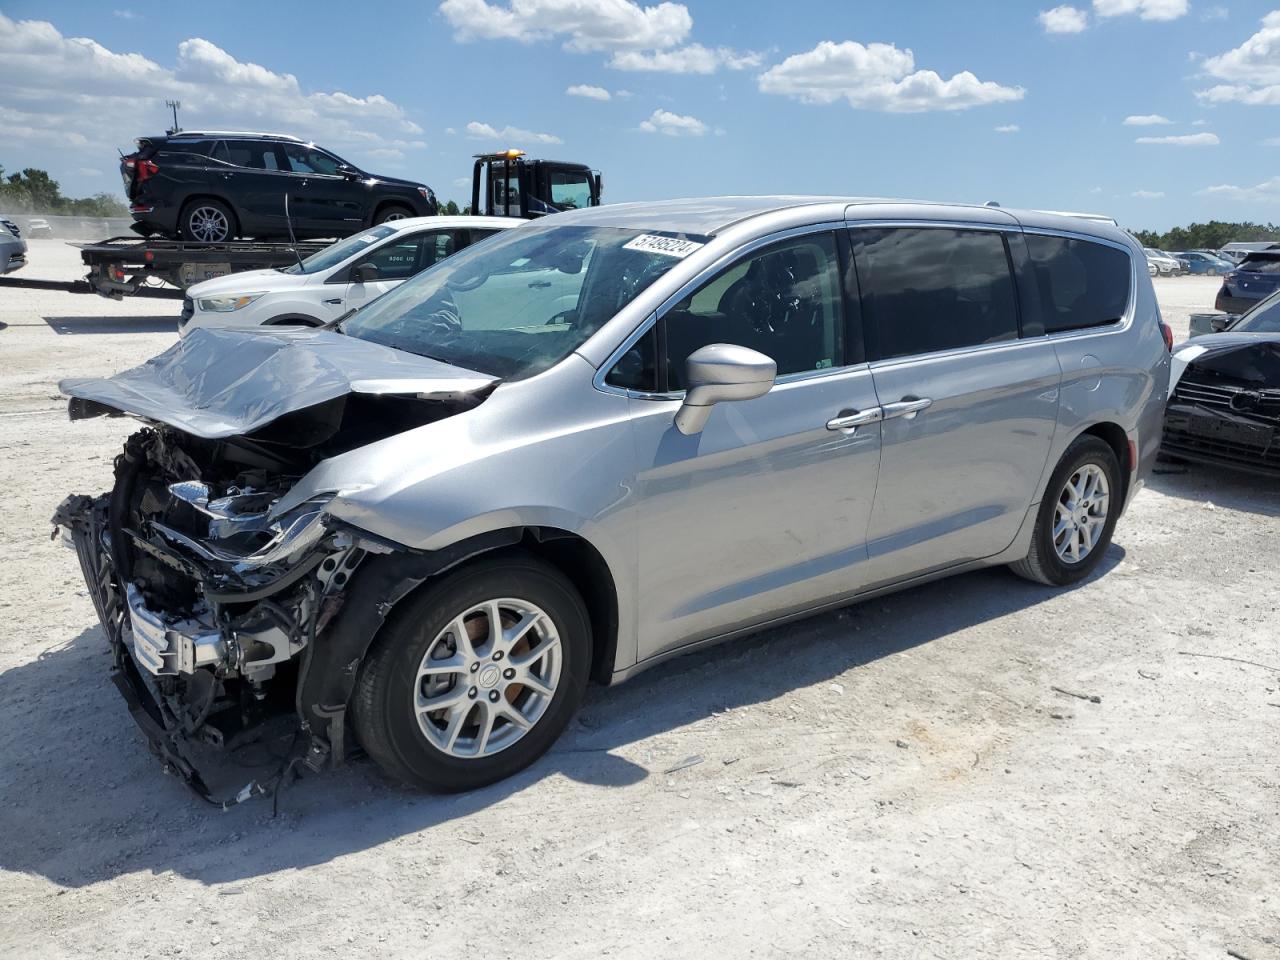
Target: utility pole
(174, 105)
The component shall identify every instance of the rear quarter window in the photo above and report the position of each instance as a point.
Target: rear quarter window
(1081, 284)
(1265, 263)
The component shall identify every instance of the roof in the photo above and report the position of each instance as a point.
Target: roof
(459, 222)
(709, 216)
(257, 135)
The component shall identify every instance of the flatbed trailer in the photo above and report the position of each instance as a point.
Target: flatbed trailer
(121, 266)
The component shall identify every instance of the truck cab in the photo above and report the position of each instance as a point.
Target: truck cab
(508, 184)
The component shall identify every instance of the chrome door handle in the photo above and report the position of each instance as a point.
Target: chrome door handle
(849, 422)
(907, 407)
(333, 301)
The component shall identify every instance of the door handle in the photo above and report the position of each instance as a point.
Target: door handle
(850, 420)
(907, 407)
(333, 301)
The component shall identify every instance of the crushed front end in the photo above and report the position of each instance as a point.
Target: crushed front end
(238, 608)
(211, 605)
(1225, 407)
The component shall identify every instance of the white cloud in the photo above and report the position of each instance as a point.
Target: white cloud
(450, 131)
(1147, 120)
(1095, 190)
(1146, 9)
(483, 131)
(125, 14)
(586, 25)
(74, 90)
(588, 91)
(673, 124)
(1147, 194)
(1252, 69)
(1184, 140)
(1215, 13)
(1063, 19)
(1267, 191)
(877, 76)
(1200, 123)
(695, 58)
(1008, 128)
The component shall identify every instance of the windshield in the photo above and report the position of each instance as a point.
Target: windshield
(522, 301)
(1262, 317)
(333, 255)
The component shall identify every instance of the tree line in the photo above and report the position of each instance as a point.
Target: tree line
(34, 191)
(1213, 235)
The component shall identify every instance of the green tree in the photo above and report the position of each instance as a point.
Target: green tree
(34, 191)
(450, 209)
(1208, 236)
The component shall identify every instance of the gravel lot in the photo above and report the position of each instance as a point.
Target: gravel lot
(897, 779)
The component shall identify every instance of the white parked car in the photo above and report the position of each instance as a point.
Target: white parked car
(1165, 265)
(338, 278)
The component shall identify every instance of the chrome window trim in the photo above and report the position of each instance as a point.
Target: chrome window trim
(934, 224)
(697, 281)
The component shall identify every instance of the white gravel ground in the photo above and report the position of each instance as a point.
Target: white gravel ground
(894, 780)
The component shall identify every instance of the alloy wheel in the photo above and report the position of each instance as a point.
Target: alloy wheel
(1081, 513)
(487, 678)
(208, 225)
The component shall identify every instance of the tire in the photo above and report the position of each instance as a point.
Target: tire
(207, 221)
(390, 688)
(392, 211)
(1045, 562)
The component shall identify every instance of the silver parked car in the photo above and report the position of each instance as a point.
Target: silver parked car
(600, 440)
(13, 249)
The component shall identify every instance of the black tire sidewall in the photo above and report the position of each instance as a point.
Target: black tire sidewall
(192, 206)
(402, 644)
(389, 209)
(1083, 450)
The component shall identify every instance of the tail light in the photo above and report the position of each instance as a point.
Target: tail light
(1166, 331)
(145, 170)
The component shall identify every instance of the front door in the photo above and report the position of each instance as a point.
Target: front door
(398, 259)
(969, 403)
(254, 176)
(765, 511)
(329, 203)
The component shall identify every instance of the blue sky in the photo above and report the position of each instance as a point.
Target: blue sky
(1031, 104)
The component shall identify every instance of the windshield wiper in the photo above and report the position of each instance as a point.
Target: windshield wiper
(336, 324)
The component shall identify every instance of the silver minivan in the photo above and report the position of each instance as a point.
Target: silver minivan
(603, 439)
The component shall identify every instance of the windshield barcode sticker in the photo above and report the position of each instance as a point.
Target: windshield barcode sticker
(667, 246)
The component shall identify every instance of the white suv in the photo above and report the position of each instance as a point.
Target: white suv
(338, 278)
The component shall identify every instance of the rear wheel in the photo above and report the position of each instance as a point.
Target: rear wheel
(392, 212)
(207, 221)
(1077, 515)
(476, 676)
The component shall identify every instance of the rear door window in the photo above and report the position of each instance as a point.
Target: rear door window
(1265, 263)
(926, 289)
(250, 154)
(1080, 284)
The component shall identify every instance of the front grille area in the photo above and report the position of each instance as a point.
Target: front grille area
(12, 227)
(1202, 423)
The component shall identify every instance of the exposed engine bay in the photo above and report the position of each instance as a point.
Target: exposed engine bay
(1225, 405)
(214, 599)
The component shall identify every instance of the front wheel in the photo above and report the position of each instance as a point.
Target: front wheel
(476, 676)
(1077, 515)
(392, 213)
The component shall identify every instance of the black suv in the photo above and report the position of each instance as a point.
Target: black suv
(214, 186)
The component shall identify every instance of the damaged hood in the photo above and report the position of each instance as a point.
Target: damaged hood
(218, 383)
(1250, 357)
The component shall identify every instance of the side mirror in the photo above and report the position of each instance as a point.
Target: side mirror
(720, 373)
(1221, 323)
(351, 173)
(364, 273)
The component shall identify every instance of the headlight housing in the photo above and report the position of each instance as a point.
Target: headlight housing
(228, 304)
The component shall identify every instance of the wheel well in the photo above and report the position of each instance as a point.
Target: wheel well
(402, 204)
(586, 568)
(574, 557)
(1114, 436)
(300, 319)
(197, 198)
